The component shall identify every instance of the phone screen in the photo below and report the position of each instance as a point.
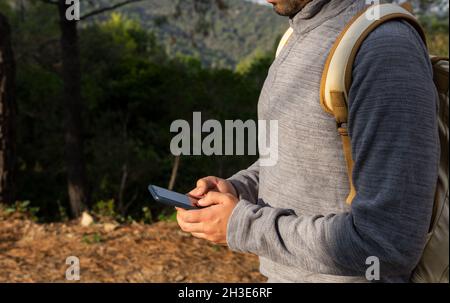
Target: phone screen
(172, 198)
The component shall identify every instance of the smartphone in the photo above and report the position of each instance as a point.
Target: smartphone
(172, 198)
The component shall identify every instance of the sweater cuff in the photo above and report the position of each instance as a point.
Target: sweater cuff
(238, 187)
(236, 225)
(244, 189)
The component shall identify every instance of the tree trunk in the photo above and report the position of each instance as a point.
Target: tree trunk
(7, 114)
(173, 176)
(71, 76)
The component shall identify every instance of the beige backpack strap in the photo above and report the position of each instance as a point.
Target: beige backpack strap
(337, 74)
(284, 40)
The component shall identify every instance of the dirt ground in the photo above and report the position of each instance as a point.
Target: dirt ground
(160, 252)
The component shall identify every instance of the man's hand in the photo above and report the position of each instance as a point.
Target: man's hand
(211, 183)
(209, 223)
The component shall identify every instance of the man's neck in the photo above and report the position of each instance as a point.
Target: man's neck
(302, 5)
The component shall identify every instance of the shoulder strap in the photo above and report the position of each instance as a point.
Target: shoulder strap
(284, 40)
(337, 74)
(338, 67)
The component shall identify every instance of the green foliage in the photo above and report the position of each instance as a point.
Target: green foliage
(147, 215)
(132, 91)
(23, 207)
(94, 238)
(105, 208)
(434, 24)
(62, 212)
(438, 44)
(437, 33)
(221, 35)
(168, 216)
(249, 63)
(5, 9)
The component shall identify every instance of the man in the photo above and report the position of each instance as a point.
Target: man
(293, 215)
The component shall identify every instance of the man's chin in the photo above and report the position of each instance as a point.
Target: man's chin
(280, 11)
(285, 11)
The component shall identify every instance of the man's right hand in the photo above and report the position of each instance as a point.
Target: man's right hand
(211, 183)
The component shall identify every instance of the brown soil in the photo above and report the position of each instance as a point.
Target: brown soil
(160, 252)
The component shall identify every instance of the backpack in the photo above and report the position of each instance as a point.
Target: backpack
(336, 81)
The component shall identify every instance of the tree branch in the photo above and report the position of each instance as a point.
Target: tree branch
(105, 9)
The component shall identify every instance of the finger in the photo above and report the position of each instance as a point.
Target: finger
(192, 227)
(204, 185)
(224, 186)
(189, 216)
(199, 235)
(213, 198)
(193, 200)
(197, 192)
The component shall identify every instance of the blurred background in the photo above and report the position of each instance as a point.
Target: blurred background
(85, 123)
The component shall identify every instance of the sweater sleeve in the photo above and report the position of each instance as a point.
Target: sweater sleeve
(395, 146)
(246, 183)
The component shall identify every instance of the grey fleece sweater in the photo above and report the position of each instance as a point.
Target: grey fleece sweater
(293, 215)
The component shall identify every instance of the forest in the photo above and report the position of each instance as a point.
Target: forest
(86, 107)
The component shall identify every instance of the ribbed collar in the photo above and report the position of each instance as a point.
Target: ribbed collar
(316, 12)
(311, 9)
